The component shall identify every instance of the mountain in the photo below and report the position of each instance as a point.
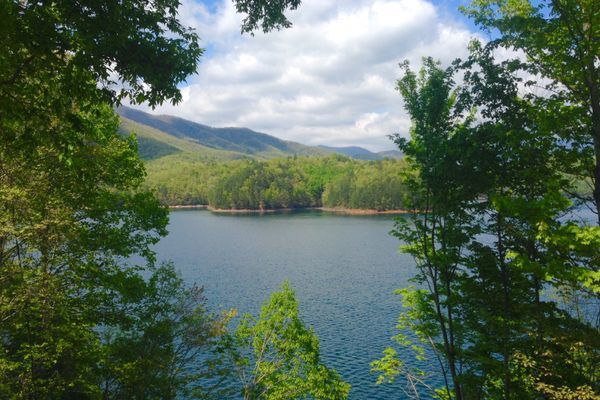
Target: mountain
(235, 142)
(395, 154)
(154, 144)
(354, 152)
(168, 136)
(360, 153)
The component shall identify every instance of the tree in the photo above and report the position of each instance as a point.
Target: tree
(560, 41)
(69, 208)
(139, 44)
(155, 351)
(72, 216)
(69, 224)
(284, 362)
(491, 210)
(437, 240)
(265, 14)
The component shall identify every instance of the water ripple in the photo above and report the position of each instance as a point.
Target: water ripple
(344, 271)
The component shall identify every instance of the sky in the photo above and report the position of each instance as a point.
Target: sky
(328, 80)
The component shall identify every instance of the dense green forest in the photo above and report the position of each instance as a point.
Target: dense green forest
(295, 182)
(234, 168)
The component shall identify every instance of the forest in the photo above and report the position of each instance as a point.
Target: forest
(295, 182)
(506, 297)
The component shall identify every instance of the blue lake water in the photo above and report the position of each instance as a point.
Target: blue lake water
(344, 271)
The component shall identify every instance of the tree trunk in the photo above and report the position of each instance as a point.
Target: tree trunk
(592, 84)
(506, 309)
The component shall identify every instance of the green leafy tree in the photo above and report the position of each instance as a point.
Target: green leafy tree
(264, 14)
(166, 345)
(302, 182)
(492, 207)
(72, 216)
(560, 41)
(438, 239)
(283, 361)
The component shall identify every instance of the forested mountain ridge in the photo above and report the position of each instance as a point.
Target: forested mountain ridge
(154, 144)
(237, 168)
(360, 153)
(158, 134)
(244, 141)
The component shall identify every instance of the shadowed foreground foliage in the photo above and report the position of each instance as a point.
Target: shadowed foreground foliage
(507, 289)
(85, 313)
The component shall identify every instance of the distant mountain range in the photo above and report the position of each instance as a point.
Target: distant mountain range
(166, 135)
(361, 153)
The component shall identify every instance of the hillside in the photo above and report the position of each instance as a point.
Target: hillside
(360, 153)
(167, 136)
(154, 144)
(161, 135)
(237, 168)
(394, 154)
(353, 152)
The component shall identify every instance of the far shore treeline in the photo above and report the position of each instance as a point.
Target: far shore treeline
(295, 182)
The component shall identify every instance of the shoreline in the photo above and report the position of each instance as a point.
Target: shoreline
(249, 210)
(363, 211)
(336, 210)
(187, 207)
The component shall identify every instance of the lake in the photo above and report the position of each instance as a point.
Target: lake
(344, 270)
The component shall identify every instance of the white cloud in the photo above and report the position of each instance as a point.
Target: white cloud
(328, 80)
